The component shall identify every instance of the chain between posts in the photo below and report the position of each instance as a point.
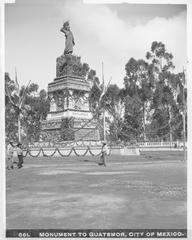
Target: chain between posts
(28, 152)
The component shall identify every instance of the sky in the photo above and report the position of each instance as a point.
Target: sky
(108, 33)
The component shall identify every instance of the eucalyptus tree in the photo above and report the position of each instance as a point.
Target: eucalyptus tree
(138, 87)
(164, 90)
(114, 105)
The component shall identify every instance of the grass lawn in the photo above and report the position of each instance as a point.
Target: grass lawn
(147, 191)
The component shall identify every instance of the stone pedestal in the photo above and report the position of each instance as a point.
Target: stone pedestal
(69, 117)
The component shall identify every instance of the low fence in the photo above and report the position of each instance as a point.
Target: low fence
(160, 144)
(93, 148)
(77, 151)
(152, 149)
(86, 143)
(61, 152)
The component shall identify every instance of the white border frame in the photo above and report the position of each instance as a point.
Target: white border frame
(189, 88)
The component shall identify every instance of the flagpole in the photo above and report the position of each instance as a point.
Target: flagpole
(19, 127)
(104, 131)
(19, 116)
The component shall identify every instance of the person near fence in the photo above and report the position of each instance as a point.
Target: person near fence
(20, 155)
(9, 153)
(104, 152)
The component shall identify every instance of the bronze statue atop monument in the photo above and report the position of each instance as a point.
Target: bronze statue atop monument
(69, 39)
(68, 63)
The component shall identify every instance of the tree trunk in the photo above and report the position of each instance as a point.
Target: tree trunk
(104, 131)
(170, 127)
(184, 128)
(184, 137)
(144, 127)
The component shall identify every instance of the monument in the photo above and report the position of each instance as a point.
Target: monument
(69, 117)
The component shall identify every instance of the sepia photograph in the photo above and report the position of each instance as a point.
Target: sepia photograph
(95, 107)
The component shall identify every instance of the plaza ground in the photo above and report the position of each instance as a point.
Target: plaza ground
(147, 191)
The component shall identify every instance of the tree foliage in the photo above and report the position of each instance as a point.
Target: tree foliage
(114, 106)
(138, 87)
(35, 109)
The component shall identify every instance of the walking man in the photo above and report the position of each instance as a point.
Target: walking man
(104, 152)
(20, 155)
